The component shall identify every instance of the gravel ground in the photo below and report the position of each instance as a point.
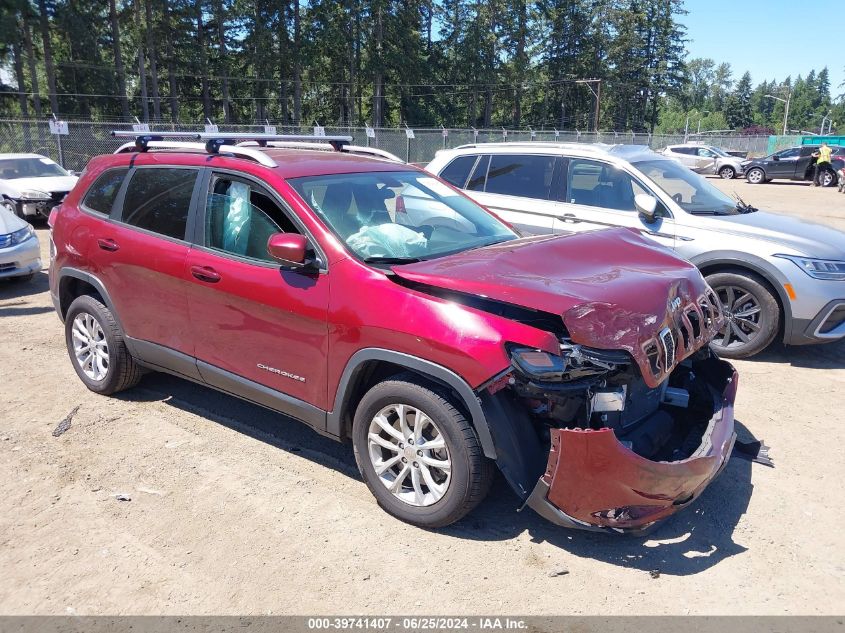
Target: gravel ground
(232, 509)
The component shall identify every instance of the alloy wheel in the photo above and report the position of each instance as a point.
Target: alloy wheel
(90, 347)
(409, 455)
(727, 173)
(742, 312)
(755, 176)
(826, 179)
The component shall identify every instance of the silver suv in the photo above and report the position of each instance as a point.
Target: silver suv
(706, 159)
(776, 276)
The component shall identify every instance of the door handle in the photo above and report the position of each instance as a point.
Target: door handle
(569, 217)
(205, 273)
(107, 244)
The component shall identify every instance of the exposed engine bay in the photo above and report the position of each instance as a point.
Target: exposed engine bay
(586, 388)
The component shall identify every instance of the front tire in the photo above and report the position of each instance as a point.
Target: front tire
(728, 173)
(755, 176)
(418, 454)
(752, 312)
(96, 348)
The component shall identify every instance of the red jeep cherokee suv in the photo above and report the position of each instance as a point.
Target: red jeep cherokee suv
(378, 304)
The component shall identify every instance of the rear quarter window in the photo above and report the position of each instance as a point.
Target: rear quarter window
(159, 199)
(101, 195)
(526, 176)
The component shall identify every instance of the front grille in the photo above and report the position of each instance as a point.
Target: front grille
(668, 341)
(5, 240)
(833, 320)
(58, 196)
(6, 267)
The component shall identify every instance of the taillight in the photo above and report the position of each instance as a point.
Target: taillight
(51, 219)
(400, 205)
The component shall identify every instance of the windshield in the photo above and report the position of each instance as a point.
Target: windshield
(14, 168)
(394, 216)
(692, 192)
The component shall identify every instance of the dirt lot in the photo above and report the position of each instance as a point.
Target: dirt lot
(237, 510)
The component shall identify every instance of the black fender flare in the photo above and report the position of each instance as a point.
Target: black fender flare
(439, 373)
(757, 265)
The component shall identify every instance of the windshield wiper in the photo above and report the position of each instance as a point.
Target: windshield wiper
(742, 206)
(710, 212)
(391, 260)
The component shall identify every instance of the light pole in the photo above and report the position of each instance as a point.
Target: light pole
(825, 119)
(786, 110)
(699, 121)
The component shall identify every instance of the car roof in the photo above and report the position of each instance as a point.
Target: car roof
(584, 150)
(290, 162)
(4, 156)
(295, 163)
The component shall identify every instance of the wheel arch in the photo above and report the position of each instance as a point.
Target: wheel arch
(74, 283)
(370, 365)
(744, 263)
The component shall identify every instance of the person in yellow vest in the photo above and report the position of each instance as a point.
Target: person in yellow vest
(822, 157)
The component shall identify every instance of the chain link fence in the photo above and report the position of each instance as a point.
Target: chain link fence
(86, 139)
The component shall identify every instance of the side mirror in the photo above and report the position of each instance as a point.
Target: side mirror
(775, 157)
(288, 248)
(647, 206)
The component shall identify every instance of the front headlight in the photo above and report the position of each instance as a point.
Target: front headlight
(21, 236)
(538, 365)
(828, 269)
(34, 195)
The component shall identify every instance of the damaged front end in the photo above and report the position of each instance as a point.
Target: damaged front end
(616, 439)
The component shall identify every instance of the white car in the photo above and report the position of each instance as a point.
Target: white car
(31, 184)
(777, 276)
(20, 254)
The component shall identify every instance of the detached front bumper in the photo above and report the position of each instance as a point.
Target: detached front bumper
(37, 208)
(593, 482)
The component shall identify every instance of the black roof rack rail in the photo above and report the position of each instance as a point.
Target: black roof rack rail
(145, 141)
(219, 138)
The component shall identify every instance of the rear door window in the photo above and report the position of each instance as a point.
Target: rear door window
(102, 194)
(526, 176)
(159, 199)
(479, 175)
(457, 172)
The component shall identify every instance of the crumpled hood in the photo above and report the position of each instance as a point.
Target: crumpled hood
(47, 184)
(613, 288)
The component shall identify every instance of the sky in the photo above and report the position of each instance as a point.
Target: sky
(771, 39)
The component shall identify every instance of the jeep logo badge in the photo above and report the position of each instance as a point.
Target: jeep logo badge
(674, 304)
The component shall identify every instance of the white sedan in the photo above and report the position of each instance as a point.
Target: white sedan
(31, 184)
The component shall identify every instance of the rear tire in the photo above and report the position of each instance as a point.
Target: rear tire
(380, 436)
(755, 176)
(827, 178)
(752, 311)
(96, 348)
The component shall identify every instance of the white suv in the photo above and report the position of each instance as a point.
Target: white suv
(775, 275)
